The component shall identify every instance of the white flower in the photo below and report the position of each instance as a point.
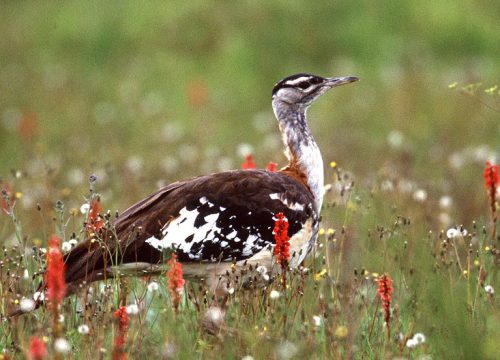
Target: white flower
(26, 274)
(454, 232)
(214, 316)
(85, 208)
(445, 202)
(244, 149)
(75, 177)
(230, 291)
(134, 164)
(395, 139)
(27, 305)
(489, 289)
(274, 294)
(317, 320)
(73, 242)
(457, 160)
(247, 357)
(405, 186)
(61, 346)
(419, 338)
(61, 318)
(261, 269)
(286, 350)
(411, 343)
(66, 246)
(386, 185)
(153, 286)
(83, 329)
(39, 296)
(132, 309)
(416, 340)
(420, 195)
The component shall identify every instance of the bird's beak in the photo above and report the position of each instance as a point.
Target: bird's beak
(337, 81)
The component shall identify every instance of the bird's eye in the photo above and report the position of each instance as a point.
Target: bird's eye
(304, 85)
(316, 81)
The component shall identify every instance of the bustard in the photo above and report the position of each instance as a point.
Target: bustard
(216, 220)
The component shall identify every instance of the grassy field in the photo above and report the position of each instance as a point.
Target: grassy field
(142, 94)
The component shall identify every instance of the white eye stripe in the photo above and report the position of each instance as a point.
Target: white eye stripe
(298, 80)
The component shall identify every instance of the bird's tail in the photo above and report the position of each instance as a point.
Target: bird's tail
(104, 258)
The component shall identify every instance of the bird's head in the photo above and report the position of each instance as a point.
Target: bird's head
(303, 89)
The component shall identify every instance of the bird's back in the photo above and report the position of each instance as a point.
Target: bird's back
(222, 217)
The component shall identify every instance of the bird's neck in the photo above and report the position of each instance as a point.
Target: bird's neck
(301, 149)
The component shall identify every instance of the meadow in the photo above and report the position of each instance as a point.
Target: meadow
(138, 95)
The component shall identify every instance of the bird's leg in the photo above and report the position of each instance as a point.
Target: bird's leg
(213, 319)
(218, 286)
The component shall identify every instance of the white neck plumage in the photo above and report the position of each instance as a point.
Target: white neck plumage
(300, 147)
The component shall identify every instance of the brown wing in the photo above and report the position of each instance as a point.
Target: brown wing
(220, 217)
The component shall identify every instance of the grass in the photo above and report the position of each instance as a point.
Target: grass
(329, 309)
(143, 95)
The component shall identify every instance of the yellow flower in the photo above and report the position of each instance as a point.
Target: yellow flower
(476, 263)
(341, 331)
(319, 275)
(333, 164)
(18, 195)
(330, 231)
(322, 231)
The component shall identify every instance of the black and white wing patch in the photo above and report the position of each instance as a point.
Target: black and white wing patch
(234, 224)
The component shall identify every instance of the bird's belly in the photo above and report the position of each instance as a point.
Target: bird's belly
(299, 244)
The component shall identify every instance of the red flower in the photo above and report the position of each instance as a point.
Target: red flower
(248, 164)
(121, 335)
(27, 126)
(272, 166)
(37, 350)
(175, 280)
(385, 290)
(491, 184)
(282, 248)
(491, 175)
(6, 199)
(197, 95)
(95, 221)
(54, 276)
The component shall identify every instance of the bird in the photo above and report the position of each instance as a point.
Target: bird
(216, 221)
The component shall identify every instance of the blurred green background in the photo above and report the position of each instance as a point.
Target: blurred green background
(145, 93)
